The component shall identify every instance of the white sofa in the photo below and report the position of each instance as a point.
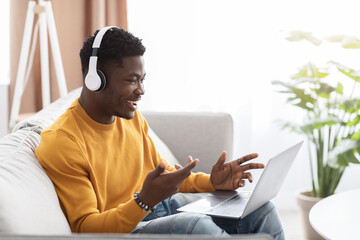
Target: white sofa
(29, 207)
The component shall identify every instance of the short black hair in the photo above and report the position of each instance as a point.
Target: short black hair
(116, 44)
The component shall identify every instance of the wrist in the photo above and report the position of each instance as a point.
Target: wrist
(212, 183)
(138, 200)
(211, 178)
(142, 197)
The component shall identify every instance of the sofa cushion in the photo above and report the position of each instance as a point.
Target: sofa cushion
(28, 201)
(163, 149)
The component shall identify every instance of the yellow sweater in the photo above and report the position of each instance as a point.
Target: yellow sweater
(97, 168)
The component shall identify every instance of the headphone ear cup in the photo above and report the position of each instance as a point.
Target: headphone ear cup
(102, 79)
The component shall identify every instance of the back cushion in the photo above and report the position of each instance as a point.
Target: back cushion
(28, 202)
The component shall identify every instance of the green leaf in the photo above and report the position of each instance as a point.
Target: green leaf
(325, 90)
(356, 136)
(350, 42)
(299, 96)
(342, 161)
(320, 74)
(309, 71)
(297, 35)
(325, 122)
(343, 153)
(346, 158)
(303, 105)
(353, 122)
(302, 73)
(309, 127)
(349, 72)
(350, 106)
(340, 88)
(292, 127)
(351, 158)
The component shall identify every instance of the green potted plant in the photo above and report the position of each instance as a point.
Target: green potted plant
(331, 124)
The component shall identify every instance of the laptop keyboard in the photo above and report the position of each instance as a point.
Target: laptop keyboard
(227, 208)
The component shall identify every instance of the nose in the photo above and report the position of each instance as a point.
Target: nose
(140, 89)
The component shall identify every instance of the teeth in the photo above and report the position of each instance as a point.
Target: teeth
(132, 102)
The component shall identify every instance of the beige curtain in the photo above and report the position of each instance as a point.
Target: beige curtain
(75, 20)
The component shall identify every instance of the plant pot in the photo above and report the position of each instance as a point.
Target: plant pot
(306, 202)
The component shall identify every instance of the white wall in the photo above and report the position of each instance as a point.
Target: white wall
(215, 55)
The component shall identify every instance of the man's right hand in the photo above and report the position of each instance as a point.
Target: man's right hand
(159, 185)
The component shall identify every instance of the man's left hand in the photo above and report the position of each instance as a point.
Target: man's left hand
(232, 175)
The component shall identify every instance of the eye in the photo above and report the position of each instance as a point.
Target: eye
(131, 80)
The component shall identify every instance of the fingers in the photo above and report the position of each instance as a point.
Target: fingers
(248, 176)
(158, 170)
(191, 164)
(219, 164)
(185, 171)
(247, 158)
(241, 183)
(178, 166)
(188, 160)
(252, 166)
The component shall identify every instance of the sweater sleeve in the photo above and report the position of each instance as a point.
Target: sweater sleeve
(197, 182)
(67, 167)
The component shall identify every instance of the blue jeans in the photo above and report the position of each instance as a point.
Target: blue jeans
(263, 220)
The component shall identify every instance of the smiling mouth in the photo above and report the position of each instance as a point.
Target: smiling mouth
(133, 104)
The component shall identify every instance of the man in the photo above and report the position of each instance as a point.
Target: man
(106, 170)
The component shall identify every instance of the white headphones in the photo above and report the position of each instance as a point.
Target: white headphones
(95, 79)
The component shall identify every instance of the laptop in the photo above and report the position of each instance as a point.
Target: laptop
(238, 204)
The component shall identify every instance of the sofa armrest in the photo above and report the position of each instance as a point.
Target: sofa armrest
(201, 135)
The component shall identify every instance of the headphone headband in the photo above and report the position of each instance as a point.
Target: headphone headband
(100, 35)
